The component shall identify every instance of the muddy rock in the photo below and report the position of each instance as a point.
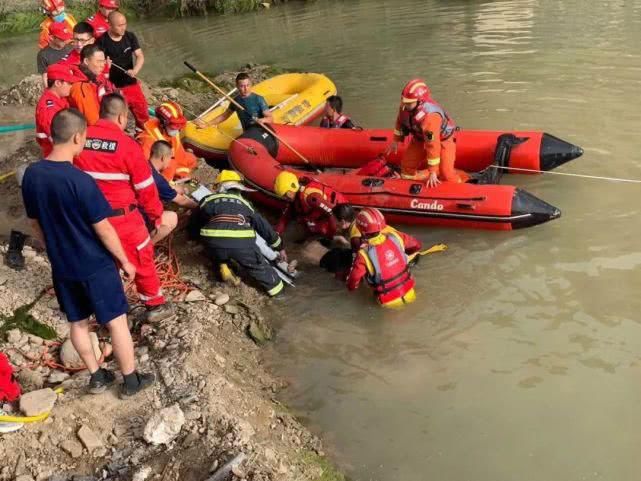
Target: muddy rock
(56, 377)
(221, 299)
(27, 91)
(164, 426)
(195, 296)
(69, 356)
(30, 380)
(72, 448)
(89, 439)
(13, 336)
(38, 402)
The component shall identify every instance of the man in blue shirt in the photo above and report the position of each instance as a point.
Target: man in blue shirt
(69, 215)
(255, 107)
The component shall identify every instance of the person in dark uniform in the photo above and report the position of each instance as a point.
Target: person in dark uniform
(71, 217)
(230, 226)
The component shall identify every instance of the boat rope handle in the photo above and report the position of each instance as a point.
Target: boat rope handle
(583, 176)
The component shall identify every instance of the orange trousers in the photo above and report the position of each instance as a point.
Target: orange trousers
(414, 162)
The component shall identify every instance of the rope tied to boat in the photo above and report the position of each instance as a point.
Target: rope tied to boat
(568, 174)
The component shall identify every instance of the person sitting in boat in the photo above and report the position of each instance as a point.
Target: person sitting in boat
(55, 12)
(230, 226)
(167, 125)
(256, 110)
(310, 202)
(383, 260)
(433, 137)
(334, 117)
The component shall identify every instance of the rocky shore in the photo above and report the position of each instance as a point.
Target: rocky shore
(213, 413)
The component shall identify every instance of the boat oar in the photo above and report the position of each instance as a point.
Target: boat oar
(231, 99)
(435, 248)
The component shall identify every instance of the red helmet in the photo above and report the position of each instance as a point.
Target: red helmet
(370, 221)
(415, 91)
(171, 114)
(113, 4)
(50, 6)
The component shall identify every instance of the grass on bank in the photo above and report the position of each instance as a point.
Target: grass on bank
(328, 471)
(20, 19)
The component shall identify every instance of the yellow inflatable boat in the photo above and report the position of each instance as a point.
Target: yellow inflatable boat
(294, 99)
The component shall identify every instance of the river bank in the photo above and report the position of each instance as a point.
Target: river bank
(212, 387)
(19, 16)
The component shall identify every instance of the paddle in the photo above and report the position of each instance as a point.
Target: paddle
(231, 99)
(435, 248)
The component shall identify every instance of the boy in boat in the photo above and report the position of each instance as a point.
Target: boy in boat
(382, 260)
(334, 117)
(256, 110)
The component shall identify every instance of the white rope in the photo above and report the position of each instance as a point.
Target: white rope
(597, 177)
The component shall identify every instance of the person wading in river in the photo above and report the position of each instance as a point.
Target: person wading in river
(127, 58)
(382, 260)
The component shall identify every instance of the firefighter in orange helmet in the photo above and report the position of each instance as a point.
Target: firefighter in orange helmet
(55, 12)
(383, 260)
(167, 125)
(433, 137)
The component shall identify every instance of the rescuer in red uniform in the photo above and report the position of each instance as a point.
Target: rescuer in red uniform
(124, 176)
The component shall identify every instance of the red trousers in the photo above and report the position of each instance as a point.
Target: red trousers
(137, 244)
(137, 103)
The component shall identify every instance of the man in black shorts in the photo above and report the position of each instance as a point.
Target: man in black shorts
(70, 215)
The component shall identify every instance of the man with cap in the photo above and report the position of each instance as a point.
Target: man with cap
(59, 47)
(56, 13)
(60, 77)
(230, 225)
(100, 20)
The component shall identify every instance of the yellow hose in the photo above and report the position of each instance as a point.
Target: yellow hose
(29, 419)
(4, 177)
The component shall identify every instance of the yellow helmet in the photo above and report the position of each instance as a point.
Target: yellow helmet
(286, 182)
(227, 176)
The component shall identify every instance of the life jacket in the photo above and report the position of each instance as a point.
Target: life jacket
(9, 388)
(43, 39)
(329, 198)
(328, 123)
(388, 269)
(184, 162)
(411, 121)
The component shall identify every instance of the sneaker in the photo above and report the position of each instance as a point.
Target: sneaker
(159, 313)
(144, 381)
(100, 381)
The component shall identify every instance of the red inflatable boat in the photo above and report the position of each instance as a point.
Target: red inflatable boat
(259, 157)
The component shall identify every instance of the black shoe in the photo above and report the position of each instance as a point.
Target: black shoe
(14, 258)
(490, 175)
(144, 381)
(159, 313)
(100, 381)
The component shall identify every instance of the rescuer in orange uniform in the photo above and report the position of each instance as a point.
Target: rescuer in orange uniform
(55, 11)
(124, 176)
(433, 137)
(87, 94)
(167, 125)
(383, 260)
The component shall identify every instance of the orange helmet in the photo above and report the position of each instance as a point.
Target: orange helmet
(414, 91)
(370, 221)
(171, 115)
(50, 6)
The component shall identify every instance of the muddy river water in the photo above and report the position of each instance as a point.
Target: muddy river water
(521, 358)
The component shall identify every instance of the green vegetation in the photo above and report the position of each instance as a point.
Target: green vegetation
(24, 321)
(235, 6)
(327, 470)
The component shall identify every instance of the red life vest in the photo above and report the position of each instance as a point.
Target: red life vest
(411, 121)
(9, 388)
(328, 123)
(388, 270)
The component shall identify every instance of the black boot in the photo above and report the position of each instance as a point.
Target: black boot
(14, 258)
